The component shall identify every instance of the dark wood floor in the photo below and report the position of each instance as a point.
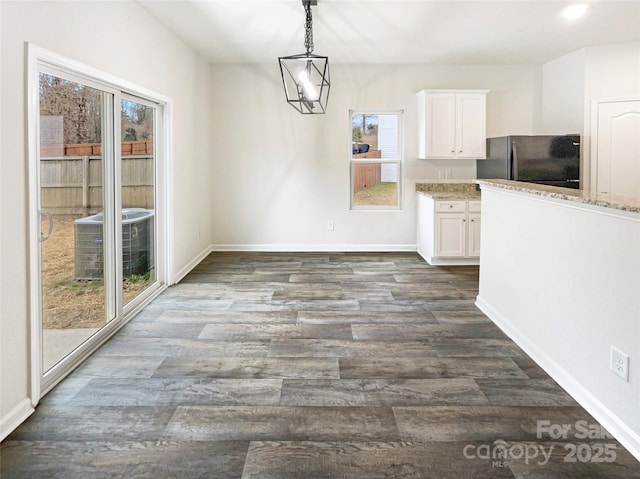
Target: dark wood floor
(310, 366)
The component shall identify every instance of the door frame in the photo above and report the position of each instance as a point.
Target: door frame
(37, 58)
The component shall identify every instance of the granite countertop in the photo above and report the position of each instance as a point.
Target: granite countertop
(449, 190)
(624, 203)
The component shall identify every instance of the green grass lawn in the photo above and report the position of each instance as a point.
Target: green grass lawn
(382, 194)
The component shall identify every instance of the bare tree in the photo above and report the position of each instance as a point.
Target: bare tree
(79, 106)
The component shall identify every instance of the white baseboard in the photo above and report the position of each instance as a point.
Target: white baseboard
(192, 264)
(15, 417)
(610, 421)
(451, 261)
(316, 248)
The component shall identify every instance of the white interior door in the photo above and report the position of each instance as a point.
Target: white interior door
(616, 148)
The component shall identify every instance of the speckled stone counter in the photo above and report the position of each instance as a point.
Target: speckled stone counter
(623, 203)
(449, 190)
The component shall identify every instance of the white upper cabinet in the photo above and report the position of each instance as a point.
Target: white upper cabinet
(471, 125)
(436, 125)
(452, 124)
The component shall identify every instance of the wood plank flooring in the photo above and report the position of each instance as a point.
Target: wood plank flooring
(305, 366)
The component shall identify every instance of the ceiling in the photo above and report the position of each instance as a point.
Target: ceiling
(396, 31)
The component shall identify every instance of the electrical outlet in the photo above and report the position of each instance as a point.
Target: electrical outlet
(447, 173)
(620, 363)
(331, 225)
(442, 174)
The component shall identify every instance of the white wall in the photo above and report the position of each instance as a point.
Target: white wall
(562, 280)
(281, 176)
(612, 70)
(119, 38)
(563, 83)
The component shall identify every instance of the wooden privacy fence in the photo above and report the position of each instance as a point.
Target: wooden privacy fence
(365, 175)
(71, 177)
(81, 149)
(72, 185)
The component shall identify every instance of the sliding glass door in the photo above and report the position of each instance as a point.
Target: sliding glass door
(137, 193)
(97, 229)
(72, 249)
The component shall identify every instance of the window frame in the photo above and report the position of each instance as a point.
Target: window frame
(398, 161)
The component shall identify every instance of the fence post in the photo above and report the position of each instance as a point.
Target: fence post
(85, 184)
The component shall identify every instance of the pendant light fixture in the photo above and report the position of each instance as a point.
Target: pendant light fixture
(305, 77)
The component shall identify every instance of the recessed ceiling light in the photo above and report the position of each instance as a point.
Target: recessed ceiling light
(575, 11)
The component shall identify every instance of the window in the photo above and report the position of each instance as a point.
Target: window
(376, 154)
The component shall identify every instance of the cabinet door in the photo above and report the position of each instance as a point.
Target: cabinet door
(473, 246)
(440, 125)
(451, 235)
(471, 131)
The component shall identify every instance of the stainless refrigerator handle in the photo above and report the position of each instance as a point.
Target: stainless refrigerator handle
(514, 160)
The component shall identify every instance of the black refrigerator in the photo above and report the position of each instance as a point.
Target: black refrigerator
(545, 159)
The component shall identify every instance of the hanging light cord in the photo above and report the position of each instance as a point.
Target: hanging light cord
(308, 28)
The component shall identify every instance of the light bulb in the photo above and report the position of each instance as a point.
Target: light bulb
(307, 87)
(575, 11)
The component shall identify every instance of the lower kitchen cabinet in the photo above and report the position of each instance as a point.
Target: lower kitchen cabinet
(448, 231)
(473, 229)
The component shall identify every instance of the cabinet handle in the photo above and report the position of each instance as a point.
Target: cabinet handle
(464, 221)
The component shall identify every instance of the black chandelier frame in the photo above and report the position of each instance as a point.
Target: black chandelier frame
(305, 77)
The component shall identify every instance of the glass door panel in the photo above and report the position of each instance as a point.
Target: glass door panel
(138, 197)
(71, 202)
